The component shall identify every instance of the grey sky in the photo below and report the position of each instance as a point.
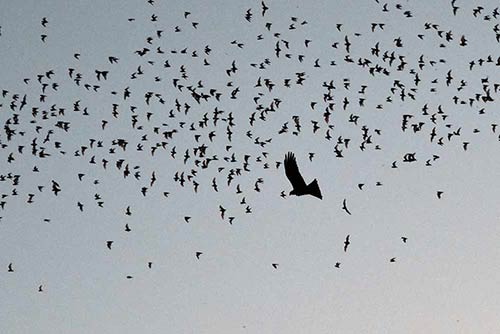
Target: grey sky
(445, 278)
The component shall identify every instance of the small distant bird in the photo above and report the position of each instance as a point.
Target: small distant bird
(337, 265)
(344, 207)
(404, 239)
(439, 194)
(392, 259)
(10, 270)
(40, 288)
(198, 255)
(275, 265)
(109, 243)
(299, 185)
(346, 243)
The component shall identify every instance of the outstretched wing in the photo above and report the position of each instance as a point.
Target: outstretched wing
(292, 172)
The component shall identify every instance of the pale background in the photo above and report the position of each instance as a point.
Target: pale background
(445, 278)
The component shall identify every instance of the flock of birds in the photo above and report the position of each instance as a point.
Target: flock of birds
(202, 127)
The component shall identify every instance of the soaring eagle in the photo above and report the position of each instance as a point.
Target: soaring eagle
(299, 185)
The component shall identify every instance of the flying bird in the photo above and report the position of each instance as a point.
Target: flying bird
(299, 185)
(346, 243)
(344, 207)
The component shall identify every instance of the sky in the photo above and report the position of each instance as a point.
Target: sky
(444, 278)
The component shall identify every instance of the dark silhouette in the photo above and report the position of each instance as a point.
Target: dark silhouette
(299, 185)
(344, 207)
(346, 243)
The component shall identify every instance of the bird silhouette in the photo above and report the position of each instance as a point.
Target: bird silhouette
(193, 114)
(344, 207)
(300, 187)
(346, 243)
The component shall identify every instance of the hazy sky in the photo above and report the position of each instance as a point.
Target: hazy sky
(444, 278)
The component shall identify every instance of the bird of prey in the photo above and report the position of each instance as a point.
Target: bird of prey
(299, 185)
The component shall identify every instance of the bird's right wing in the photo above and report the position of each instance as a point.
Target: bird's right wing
(292, 172)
